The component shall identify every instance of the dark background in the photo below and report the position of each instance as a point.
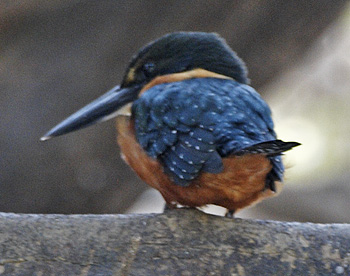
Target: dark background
(57, 56)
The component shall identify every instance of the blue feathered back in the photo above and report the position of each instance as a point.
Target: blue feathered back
(189, 126)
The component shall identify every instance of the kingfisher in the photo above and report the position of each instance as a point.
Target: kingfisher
(190, 125)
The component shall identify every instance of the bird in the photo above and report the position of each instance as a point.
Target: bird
(190, 125)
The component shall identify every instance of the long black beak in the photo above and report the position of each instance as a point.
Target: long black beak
(101, 109)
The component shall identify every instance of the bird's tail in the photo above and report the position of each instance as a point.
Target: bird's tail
(268, 148)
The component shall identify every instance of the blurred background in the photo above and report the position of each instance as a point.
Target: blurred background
(57, 56)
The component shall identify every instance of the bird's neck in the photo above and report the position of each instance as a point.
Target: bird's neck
(195, 73)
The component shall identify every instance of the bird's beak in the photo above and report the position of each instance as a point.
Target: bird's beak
(101, 109)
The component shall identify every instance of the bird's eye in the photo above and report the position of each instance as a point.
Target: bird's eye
(148, 68)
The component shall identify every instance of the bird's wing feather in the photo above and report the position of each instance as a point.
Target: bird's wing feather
(189, 126)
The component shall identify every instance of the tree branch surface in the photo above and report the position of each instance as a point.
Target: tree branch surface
(178, 242)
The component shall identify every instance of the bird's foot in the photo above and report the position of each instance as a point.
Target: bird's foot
(230, 214)
(169, 207)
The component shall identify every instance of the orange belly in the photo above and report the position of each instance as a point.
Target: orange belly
(241, 183)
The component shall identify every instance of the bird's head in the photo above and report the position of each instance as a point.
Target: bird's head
(173, 53)
(184, 51)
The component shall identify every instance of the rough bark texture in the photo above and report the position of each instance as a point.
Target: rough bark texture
(179, 242)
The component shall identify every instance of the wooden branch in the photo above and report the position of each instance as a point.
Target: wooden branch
(179, 242)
